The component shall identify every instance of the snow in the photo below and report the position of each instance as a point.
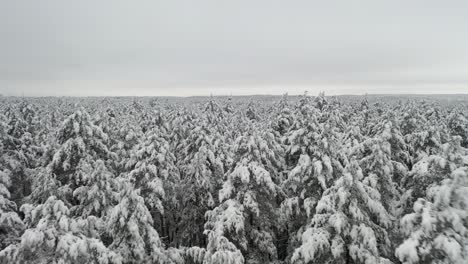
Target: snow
(315, 241)
(408, 251)
(211, 181)
(338, 221)
(231, 219)
(450, 246)
(31, 238)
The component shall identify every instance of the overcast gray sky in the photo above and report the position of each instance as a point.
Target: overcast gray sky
(182, 48)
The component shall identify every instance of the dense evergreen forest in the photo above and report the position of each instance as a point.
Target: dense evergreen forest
(213, 180)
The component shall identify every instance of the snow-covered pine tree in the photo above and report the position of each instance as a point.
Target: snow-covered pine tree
(17, 126)
(201, 178)
(251, 112)
(98, 193)
(21, 161)
(437, 230)
(458, 126)
(20, 151)
(79, 139)
(228, 108)
(411, 120)
(432, 170)
(107, 121)
(213, 110)
(219, 249)
(284, 118)
(422, 135)
(153, 119)
(388, 129)
(53, 237)
(247, 213)
(320, 101)
(130, 226)
(424, 141)
(126, 138)
(150, 164)
(11, 225)
(349, 224)
(304, 104)
(316, 159)
(375, 161)
(436, 116)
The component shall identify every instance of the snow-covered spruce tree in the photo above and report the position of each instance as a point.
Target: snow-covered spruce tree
(107, 121)
(247, 214)
(458, 126)
(364, 110)
(422, 135)
(28, 113)
(227, 107)
(53, 237)
(130, 226)
(213, 110)
(320, 101)
(385, 129)
(315, 157)
(219, 249)
(432, 170)
(126, 138)
(98, 193)
(305, 104)
(44, 185)
(437, 230)
(424, 142)
(79, 139)
(46, 136)
(200, 145)
(151, 119)
(17, 125)
(349, 225)
(201, 178)
(251, 112)
(21, 161)
(136, 107)
(283, 117)
(352, 139)
(306, 126)
(378, 169)
(436, 116)
(11, 225)
(389, 131)
(150, 164)
(375, 161)
(20, 151)
(181, 125)
(411, 120)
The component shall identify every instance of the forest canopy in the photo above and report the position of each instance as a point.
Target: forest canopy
(212, 180)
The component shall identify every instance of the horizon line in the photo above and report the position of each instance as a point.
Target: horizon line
(231, 95)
